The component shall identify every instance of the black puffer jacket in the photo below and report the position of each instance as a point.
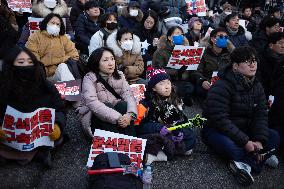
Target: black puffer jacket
(237, 109)
(259, 40)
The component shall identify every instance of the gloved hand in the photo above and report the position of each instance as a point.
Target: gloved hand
(56, 133)
(2, 135)
(178, 138)
(164, 131)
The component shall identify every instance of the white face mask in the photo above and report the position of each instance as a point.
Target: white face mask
(227, 12)
(50, 3)
(127, 45)
(133, 13)
(52, 29)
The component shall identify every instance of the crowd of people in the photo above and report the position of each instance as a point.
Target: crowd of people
(112, 44)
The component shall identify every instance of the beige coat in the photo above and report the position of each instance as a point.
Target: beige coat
(51, 50)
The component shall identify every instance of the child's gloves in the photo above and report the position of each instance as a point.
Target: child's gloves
(2, 135)
(56, 133)
(178, 138)
(164, 131)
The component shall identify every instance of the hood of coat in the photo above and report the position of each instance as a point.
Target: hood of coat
(118, 51)
(165, 44)
(40, 10)
(125, 13)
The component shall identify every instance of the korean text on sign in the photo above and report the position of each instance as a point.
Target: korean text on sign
(197, 7)
(138, 91)
(106, 141)
(186, 56)
(24, 5)
(26, 131)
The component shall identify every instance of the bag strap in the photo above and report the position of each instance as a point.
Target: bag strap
(106, 34)
(107, 86)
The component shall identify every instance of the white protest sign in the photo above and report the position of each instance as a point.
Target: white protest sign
(209, 30)
(106, 141)
(34, 23)
(138, 91)
(197, 7)
(186, 56)
(27, 131)
(24, 5)
(243, 23)
(214, 77)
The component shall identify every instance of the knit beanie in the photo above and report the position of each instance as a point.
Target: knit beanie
(155, 76)
(191, 22)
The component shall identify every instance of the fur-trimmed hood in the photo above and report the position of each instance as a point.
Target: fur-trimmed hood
(40, 10)
(112, 43)
(125, 13)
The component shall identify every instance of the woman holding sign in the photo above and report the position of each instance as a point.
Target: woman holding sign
(30, 110)
(108, 103)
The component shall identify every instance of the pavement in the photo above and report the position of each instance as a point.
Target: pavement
(201, 170)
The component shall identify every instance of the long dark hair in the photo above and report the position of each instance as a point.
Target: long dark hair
(95, 58)
(7, 76)
(154, 15)
(43, 23)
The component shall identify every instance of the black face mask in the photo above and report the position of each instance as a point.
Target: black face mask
(111, 26)
(24, 73)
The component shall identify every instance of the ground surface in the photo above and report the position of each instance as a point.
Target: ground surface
(202, 170)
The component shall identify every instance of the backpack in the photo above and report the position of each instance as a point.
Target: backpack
(112, 160)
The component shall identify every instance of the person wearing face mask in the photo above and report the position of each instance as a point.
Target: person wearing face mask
(148, 33)
(87, 25)
(166, 44)
(24, 87)
(237, 122)
(215, 57)
(108, 23)
(194, 31)
(101, 109)
(219, 18)
(127, 50)
(117, 7)
(130, 15)
(40, 9)
(53, 48)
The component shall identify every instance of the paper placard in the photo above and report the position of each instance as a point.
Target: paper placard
(197, 7)
(27, 131)
(138, 91)
(24, 5)
(106, 141)
(69, 90)
(186, 56)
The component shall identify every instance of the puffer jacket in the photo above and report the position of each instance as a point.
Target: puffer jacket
(51, 50)
(237, 109)
(239, 39)
(125, 20)
(130, 62)
(95, 95)
(259, 40)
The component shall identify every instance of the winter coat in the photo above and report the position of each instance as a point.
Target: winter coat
(84, 30)
(95, 95)
(163, 53)
(251, 25)
(267, 67)
(76, 10)
(130, 62)
(41, 11)
(259, 41)
(211, 62)
(7, 13)
(238, 39)
(51, 50)
(125, 20)
(237, 109)
(98, 40)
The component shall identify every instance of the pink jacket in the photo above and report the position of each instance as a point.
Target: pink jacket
(94, 95)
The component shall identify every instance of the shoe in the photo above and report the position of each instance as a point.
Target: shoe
(161, 156)
(272, 161)
(188, 153)
(242, 171)
(150, 158)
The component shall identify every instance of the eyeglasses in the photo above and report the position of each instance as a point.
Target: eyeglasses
(250, 62)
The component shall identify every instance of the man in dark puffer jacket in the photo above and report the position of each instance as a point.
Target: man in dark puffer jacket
(237, 116)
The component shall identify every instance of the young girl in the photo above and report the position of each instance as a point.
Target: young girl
(159, 110)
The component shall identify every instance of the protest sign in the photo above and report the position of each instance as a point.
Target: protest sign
(186, 56)
(138, 91)
(106, 141)
(197, 7)
(214, 78)
(23, 5)
(27, 131)
(69, 90)
(34, 23)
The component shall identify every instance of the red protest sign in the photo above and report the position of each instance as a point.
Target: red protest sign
(69, 90)
(26, 131)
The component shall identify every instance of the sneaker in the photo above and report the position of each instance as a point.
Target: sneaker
(272, 161)
(150, 158)
(161, 156)
(188, 153)
(242, 171)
